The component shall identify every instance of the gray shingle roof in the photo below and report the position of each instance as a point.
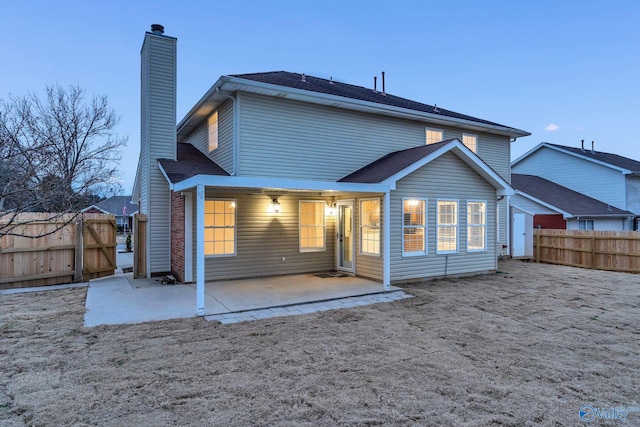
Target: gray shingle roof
(315, 84)
(191, 162)
(612, 159)
(114, 205)
(391, 164)
(563, 198)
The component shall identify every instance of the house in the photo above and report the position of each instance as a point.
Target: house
(282, 173)
(120, 206)
(609, 178)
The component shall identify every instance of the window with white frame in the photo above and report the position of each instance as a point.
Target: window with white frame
(470, 141)
(476, 226)
(370, 226)
(219, 227)
(312, 226)
(447, 226)
(213, 131)
(434, 135)
(585, 224)
(414, 226)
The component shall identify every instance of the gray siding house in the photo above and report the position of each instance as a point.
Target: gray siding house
(609, 178)
(282, 173)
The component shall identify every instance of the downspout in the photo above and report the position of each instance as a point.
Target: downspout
(200, 250)
(386, 261)
(235, 129)
(508, 236)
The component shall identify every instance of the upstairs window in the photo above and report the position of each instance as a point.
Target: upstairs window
(414, 227)
(470, 141)
(312, 226)
(447, 226)
(213, 131)
(370, 226)
(220, 227)
(476, 226)
(434, 135)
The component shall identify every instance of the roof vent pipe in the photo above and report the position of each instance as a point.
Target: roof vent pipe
(375, 84)
(583, 145)
(592, 144)
(331, 80)
(157, 29)
(383, 91)
(304, 79)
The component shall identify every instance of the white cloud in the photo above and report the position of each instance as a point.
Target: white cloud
(552, 127)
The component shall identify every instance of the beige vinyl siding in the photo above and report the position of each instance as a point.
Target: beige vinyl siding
(263, 238)
(434, 181)
(158, 138)
(633, 194)
(291, 139)
(223, 155)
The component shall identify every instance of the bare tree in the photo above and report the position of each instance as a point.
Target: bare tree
(57, 153)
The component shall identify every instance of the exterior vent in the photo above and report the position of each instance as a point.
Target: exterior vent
(157, 29)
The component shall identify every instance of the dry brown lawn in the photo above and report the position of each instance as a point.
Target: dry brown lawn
(527, 346)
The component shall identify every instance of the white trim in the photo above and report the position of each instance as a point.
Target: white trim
(200, 250)
(386, 246)
(486, 217)
(164, 173)
(278, 184)
(570, 153)
(352, 203)
(565, 214)
(426, 137)
(469, 157)
(425, 227)
(457, 250)
(361, 252)
(188, 237)
(324, 227)
(235, 227)
(232, 84)
(98, 208)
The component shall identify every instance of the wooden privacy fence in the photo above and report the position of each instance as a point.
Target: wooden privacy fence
(50, 249)
(601, 250)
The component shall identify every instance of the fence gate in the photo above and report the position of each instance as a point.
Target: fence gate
(99, 247)
(139, 246)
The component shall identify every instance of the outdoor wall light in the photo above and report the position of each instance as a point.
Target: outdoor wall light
(275, 205)
(331, 209)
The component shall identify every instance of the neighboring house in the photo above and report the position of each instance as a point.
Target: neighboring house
(281, 173)
(120, 206)
(612, 179)
(557, 207)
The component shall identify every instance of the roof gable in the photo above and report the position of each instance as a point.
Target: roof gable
(562, 198)
(398, 164)
(113, 205)
(190, 162)
(614, 161)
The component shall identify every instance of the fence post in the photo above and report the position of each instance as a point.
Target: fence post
(538, 246)
(593, 252)
(79, 250)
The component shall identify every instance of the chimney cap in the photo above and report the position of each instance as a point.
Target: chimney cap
(157, 29)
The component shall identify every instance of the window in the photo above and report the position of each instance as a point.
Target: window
(447, 226)
(370, 226)
(585, 224)
(414, 226)
(471, 141)
(434, 135)
(219, 227)
(213, 131)
(312, 226)
(476, 226)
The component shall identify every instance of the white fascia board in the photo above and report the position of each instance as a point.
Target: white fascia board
(472, 160)
(570, 153)
(95, 207)
(232, 84)
(278, 184)
(565, 214)
(165, 176)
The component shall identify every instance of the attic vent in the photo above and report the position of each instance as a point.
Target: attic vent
(304, 79)
(157, 29)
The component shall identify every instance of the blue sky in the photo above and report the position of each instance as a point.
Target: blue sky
(562, 70)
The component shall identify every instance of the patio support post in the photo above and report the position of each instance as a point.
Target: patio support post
(200, 250)
(386, 243)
